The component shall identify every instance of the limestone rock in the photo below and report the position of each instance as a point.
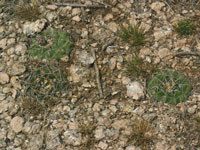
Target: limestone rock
(30, 28)
(135, 90)
(4, 78)
(17, 124)
(157, 6)
(17, 69)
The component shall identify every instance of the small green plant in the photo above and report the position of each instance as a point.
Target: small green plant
(169, 86)
(134, 35)
(44, 84)
(53, 44)
(28, 11)
(185, 27)
(142, 133)
(137, 67)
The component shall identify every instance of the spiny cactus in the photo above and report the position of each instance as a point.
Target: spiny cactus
(53, 44)
(45, 81)
(169, 86)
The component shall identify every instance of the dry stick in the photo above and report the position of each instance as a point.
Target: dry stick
(101, 3)
(78, 5)
(110, 42)
(168, 6)
(97, 74)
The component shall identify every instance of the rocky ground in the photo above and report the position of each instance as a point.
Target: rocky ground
(84, 118)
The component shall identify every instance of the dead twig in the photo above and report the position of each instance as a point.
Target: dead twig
(97, 74)
(109, 43)
(106, 5)
(78, 5)
(186, 54)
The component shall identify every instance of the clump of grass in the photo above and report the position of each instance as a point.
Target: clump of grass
(169, 86)
(28, 11)
(134, 35)
(52, 44)
(142, 133)
(185, 27)
(87, 130)
(137, 67)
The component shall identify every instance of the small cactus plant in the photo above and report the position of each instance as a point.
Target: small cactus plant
(53, 44)
(169, 86)
(45, 81)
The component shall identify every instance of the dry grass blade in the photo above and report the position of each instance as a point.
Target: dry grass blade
(141, 133)
(28, 11)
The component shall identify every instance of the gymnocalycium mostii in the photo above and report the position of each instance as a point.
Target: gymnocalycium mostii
(169, 86)
(52, 44)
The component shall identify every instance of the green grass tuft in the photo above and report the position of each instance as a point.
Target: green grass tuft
(137, 67)
(169, 86)
(185, 27)
(134, 35)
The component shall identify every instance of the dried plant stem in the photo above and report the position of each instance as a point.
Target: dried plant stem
(97, 74)
(78, 5)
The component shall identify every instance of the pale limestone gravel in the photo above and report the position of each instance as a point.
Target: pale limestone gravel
(82, 120)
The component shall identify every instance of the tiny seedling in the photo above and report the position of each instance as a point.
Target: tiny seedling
(169, 86)
(137, 67)
(134, 35)
(53, 44)
(185, 27)
(28, 11)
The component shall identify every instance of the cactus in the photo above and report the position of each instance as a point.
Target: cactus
(45, 81)
(169, 86)
(53, 44)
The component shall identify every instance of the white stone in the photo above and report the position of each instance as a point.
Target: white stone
(192, 110)
(161, 34)
(112, 26)
(4, 78)
(51, 16)
(135, 90)
(102, 145)
(76, 11)
(51, 7)
(17, 124)
(72, 137)
(85, 58)
(132, 147)
(157, 6)
(15, 83)
(108, 17)
(17, 69)
(76, 18)
(3, 43)
(20, 49)
(30, 28)
(74, 73)
(99, 133)
(113, 63)
(125, 80)
(163, 52)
